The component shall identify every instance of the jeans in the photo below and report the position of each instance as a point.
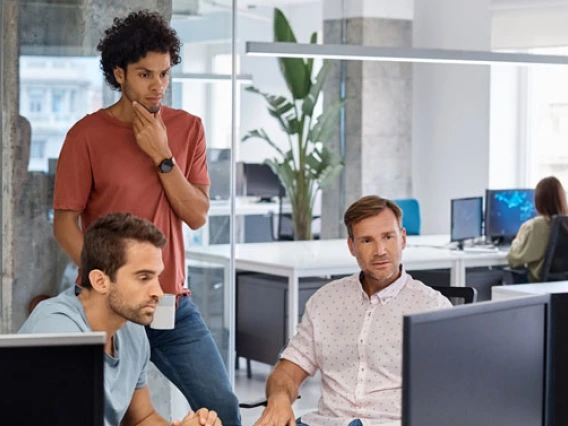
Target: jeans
(188, 357)
(355, 422)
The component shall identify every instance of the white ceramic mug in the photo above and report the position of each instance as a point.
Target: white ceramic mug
(165, 313)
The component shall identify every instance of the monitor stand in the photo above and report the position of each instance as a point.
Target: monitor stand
(264, 200)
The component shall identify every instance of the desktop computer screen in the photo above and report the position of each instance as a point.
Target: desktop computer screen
(506, 210)
(478, 364)
(467, 218)
(52, 379)
(219, 168)
(258, 180)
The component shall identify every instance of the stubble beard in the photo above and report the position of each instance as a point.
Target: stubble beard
(129, 313)
(128, 95)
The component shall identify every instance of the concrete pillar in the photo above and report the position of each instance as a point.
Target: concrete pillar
(378, 112)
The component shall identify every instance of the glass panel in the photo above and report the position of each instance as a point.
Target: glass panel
(49, 61)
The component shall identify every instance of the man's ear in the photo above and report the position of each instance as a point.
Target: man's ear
(119, 74)
(99, 281)
(350, 245)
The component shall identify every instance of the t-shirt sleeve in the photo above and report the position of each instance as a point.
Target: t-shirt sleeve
(50, 323)
(74, 176)
(197, 172)
(143, 378)
(301, 348)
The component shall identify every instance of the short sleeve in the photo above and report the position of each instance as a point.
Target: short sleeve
(197, 172)
(143, 377)
(74, 176)
(301, 349)
(51, 323)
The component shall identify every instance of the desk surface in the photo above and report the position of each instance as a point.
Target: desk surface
(246, 206)
(519, 290)
(333, 256)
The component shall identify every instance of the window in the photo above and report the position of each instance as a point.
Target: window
(36, 97)
(37, 149)
(57, 100)
(548, 120)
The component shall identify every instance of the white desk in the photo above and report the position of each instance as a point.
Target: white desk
(244, 206)
(523, 290)
(299, 259)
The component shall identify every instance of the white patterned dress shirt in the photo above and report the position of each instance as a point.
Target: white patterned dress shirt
(356, 342)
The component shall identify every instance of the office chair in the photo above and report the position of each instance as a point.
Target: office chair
(467, 294)
(410, 215)
(555, 266)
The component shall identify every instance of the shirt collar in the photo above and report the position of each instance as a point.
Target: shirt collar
(386, 294)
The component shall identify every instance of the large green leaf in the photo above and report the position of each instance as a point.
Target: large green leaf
(326, 124)
(313, 40)
(261, 134)
(285, 173)
(311, 100)
(294, 70)
(279, 107)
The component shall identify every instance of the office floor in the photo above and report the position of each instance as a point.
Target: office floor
(253, 389)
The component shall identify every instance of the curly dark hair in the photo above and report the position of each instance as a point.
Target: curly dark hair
(131, 38)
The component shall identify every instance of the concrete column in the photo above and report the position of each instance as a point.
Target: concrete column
(378, 112)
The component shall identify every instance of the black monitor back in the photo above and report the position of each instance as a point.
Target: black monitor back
(52, 381)
(558, 400)
(219, 168)
(258, 180)
(477, 365)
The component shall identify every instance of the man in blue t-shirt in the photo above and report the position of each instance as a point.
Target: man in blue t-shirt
(121, 261)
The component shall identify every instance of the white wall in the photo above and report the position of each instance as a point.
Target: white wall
(530, 27)
(450, 109)
(304, 19)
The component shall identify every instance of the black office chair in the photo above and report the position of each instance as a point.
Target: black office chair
(466, 294)
(555, 266)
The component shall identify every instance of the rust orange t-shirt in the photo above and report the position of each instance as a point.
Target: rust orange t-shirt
(101, 169)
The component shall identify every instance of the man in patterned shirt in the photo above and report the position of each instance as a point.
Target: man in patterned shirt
(352, 330)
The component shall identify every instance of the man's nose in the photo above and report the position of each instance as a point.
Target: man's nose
(380, 248)
(156, 290)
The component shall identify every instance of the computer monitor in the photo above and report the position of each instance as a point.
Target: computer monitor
(478, 364)
(258, 180)
(52, 379)
(506, 210)
(467, 219)
(219, 168)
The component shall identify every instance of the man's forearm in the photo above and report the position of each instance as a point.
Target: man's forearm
(280, 385)
(188, 201)
(153, 419)
(69, 237)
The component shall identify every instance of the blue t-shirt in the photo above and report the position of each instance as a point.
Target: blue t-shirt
(124, 372)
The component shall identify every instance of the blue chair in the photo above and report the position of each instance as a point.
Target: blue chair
(410, 215)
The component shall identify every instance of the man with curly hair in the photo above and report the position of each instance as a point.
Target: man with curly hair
(141, 157)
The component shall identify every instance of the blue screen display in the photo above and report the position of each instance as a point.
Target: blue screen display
(507, 210)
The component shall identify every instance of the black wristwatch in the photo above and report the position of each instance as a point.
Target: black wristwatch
(166, 165)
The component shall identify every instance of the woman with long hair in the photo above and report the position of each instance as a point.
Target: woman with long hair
(529, 246)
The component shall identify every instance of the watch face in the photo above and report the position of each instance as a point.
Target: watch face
(167, 165)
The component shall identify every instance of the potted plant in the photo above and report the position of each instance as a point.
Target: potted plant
(306, 165)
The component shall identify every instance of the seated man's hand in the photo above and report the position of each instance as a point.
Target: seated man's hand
(278, 412)
(203, 417)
